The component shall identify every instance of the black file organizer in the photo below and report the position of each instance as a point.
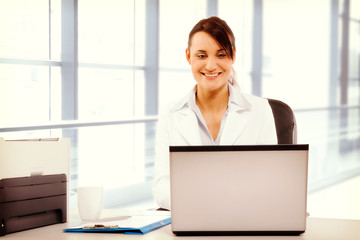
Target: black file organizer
(30, 202)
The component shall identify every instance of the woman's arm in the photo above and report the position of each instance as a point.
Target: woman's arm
(161, 189)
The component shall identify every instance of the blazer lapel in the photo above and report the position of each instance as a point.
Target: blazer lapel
(237, 119)
(186, 127)
(235, 124)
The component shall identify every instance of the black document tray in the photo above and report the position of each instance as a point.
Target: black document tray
(30, 202)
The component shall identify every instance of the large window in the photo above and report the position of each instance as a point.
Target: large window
(300, 63)
(30, 68)
(82, 61)
(175, 78)
(108, 65)
(111, 43)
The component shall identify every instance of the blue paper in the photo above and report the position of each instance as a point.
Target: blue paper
(141, 225)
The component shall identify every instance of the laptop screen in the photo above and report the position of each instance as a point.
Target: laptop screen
(248, 188)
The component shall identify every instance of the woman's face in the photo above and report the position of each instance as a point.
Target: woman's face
(210, 64)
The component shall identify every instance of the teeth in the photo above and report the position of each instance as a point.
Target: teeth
(211, 75)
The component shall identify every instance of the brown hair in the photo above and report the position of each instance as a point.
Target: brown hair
(219, 30)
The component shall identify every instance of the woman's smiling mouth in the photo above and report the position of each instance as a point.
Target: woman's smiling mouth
(211, 75)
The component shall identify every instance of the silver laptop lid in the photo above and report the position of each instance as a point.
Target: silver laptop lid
(258, 189)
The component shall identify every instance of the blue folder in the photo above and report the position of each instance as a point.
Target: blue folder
(125, 230)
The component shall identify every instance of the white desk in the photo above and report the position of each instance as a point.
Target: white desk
(317, 229)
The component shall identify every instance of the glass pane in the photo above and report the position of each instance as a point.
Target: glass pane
(174, 86)
(101, 147)
(296, 52)
(139, 42)
(139, 93)
(355, 9)
(239, 16)
(116, 157)
(55, 94)
(24, 27)
(335, 146)
(175, 28)
(119, 157)
(353, 92)
(107, 31)
(24, 93)
(354, 50)
(107, 93)
(55, 32)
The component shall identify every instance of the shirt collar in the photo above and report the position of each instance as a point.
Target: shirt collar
(237, 100)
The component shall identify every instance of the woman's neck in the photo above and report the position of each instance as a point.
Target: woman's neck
(212, 101)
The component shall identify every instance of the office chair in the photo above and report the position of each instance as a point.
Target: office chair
(285, 122)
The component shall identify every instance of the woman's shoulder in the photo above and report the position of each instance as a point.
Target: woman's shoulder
(255, 99)
(249, 99)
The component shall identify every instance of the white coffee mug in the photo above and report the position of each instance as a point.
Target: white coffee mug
(90, 202)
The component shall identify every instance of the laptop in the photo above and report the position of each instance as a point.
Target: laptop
(232, 190)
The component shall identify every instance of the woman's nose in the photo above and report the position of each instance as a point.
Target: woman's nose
(211, 64)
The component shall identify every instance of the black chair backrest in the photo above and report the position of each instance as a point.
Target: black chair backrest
(285, 122)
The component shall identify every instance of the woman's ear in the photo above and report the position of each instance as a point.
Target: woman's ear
(187, 53)
(234, 56)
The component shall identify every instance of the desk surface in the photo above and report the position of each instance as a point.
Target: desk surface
(317, 229)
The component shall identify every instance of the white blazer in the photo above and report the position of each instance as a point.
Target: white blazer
(250, 121)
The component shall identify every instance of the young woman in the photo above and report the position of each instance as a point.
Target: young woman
(215, 112)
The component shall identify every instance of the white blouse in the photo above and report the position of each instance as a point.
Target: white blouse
(249, 120)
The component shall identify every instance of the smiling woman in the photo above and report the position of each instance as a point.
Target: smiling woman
(211, 65)
(215, 112)
(209, 40)
(211, 68)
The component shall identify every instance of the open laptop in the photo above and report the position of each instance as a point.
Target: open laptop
(248, 189)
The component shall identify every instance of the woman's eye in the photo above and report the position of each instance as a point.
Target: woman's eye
(221, 55)
(201, 55)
